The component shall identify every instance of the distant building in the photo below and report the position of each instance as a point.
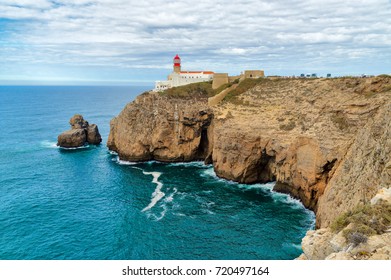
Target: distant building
(328, 75)
(181, 78)
(254, 74)
(178, 77)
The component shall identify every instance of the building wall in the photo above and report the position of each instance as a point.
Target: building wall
(180, 79)
(162, 85)
(254, 74)
(219, 79)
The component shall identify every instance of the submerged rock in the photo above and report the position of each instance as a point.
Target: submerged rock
(81, 133)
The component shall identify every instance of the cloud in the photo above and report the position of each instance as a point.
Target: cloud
(218, 35)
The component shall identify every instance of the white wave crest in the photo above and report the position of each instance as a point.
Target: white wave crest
(76, 148)
(123, 162)
(170, 198)
(155, 217)
(157, 194)
(49, 144)
(113, 153)
(192, 163)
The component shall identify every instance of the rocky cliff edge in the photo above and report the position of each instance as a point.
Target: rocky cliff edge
(324, 141)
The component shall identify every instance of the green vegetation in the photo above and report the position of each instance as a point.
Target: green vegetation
(242, 87)
(200, 90)
(340, 121)
(365, 220)
(203, 89)
(289, 126)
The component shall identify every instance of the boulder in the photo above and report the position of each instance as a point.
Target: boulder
(77, 121)
(81, 132)
(93, 136)
(72, 138)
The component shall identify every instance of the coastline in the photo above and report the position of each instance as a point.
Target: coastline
(305, 155)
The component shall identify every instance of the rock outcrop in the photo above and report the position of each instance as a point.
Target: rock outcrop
(157, 128)
(324, 141)
(80, 133)
(350, 237)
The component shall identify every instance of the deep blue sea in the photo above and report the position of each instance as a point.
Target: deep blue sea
(86, 204)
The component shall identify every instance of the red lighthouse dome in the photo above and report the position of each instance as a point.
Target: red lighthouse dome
(177, 61)
(177, 64)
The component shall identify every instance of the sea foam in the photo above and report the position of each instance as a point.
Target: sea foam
(157, 194)
(75, 148)
(123, 162)
(267, 188)
(199, 164)
(49, 144)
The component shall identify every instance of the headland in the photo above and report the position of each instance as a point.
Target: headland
(324, 141)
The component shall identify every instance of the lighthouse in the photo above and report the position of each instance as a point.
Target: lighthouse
(178, 77)
(177, 64)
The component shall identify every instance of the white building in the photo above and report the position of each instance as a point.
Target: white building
(180, 78)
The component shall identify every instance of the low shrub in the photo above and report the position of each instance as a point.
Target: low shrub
(365, 219)
(356, 238)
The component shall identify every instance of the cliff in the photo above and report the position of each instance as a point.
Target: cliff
(324, 141)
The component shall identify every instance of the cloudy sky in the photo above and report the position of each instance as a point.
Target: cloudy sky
(127, 41)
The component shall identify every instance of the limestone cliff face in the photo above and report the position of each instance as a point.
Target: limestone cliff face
(364, 169)
(298, 132)
(325, 141)
(165, 129)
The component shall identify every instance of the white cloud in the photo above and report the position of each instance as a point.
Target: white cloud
(214, 34)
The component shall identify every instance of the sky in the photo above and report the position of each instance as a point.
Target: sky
(134, 42)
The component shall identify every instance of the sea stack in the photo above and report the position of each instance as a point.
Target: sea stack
(81, 133)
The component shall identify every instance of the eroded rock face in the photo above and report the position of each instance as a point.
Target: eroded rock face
(324, 141)
(79, 134)
(323, 244)
(72, 138)
(153, 127)
(77, 122)
(93, 135)
(362, 172)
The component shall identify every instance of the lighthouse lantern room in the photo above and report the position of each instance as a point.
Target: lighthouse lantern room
(177, 64)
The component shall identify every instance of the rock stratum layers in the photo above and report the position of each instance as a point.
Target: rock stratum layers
(324, 141)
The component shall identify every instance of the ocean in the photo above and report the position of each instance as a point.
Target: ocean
(86, 204)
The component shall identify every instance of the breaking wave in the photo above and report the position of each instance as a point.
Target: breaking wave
(267, 188)
(157, 194)
(123, 162)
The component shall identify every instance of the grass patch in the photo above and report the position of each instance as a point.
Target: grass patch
(289, 126)
(242, 87)
(340, 121)
(366, 219)
(200, 90)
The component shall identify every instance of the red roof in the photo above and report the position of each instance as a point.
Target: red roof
(197, 72)
(177, 57)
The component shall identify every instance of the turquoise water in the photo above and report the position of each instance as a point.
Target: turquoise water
(86, 204)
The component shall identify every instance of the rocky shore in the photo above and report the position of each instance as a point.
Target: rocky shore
(324, 141)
